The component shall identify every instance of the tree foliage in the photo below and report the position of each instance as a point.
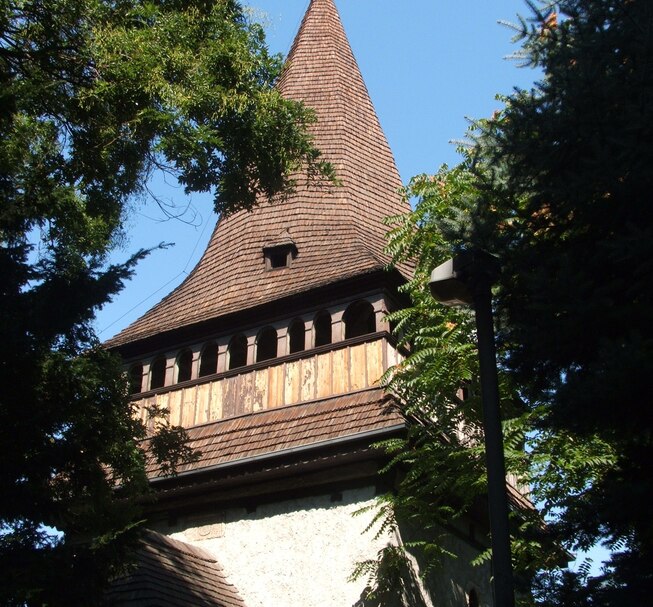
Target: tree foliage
(440, 463)
(94, 96)
(566, 210)
(556, 185)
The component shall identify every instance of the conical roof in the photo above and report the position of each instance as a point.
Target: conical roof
(337, 231)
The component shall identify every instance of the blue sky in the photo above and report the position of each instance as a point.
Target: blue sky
(428, 66)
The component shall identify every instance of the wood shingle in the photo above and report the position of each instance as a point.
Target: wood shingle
(275, 431)
(170, 573)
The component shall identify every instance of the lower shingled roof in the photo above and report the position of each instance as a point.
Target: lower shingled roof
(170, 573)
(277, 431)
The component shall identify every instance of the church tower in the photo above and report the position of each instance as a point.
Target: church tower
(270, 354)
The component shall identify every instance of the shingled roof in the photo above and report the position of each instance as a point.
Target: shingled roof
(170, 573)
(277, 431)
(337, 231)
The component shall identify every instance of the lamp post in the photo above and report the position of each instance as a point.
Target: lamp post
(466, 280)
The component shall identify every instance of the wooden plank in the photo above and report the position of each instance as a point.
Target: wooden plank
(275, 387)
(188, 405)
(357, 367)
(141, 411)
(203, 409)
(260, 390)
(229, 396)
(174, 404)
(374, 359)
(246, 391)
(146, 403)
(324, 377)
(194, 391)
(183, 415)
(384, 354)
(392, 355)
(340, 371)
(292, 387)
(279, 371)
(308, 378)
(176, 398)
(163, 402)
(216, 401)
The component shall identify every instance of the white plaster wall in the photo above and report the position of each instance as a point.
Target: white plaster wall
(301, 552)
(295, 553)
(450, 584)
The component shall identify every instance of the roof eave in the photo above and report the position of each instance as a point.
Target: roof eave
(377, 278)
(314, 448)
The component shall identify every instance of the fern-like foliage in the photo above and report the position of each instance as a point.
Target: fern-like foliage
(557, 186)
(440, 462)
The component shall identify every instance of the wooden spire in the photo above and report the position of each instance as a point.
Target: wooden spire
(337, 231)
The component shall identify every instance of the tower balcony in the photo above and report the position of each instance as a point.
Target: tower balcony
(329, 370)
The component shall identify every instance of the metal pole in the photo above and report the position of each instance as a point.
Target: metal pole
(496, 468)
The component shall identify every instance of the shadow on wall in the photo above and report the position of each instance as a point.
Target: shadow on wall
(402, 588)
(401, 577)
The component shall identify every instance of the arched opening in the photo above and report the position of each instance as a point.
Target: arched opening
(322, 327)
(158, 373)
(472, 598)
(237, 352)
(136, 378)
(359, 319)
(209, 360)
(297, 333)
(184, 365)
(266, 344)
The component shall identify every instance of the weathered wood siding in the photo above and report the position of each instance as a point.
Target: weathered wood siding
(337, 371)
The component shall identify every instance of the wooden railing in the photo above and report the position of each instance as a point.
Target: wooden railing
(326, 371)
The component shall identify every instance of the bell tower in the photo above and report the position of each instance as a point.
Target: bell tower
(270, 354)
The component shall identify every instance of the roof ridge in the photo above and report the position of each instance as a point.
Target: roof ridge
(154, 537)
(169, 571)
